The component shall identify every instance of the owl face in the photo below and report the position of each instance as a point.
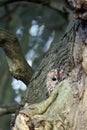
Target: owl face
(52, 80)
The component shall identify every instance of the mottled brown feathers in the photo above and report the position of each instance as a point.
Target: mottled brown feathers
(53, 78)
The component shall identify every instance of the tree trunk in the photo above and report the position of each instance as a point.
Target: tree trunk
(66, 107)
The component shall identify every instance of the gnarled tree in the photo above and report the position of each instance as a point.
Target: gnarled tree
(66, 107)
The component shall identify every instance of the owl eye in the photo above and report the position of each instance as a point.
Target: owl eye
(54, 79)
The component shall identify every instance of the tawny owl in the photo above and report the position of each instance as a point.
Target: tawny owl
(53, 78)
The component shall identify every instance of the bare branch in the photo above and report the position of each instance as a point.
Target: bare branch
(44, 2)
(59, 5)
(9, 109)
(18, 66)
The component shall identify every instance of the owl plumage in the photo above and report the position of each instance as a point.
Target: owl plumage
(53, 78)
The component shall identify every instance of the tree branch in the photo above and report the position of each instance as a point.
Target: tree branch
(18, 66)
(8, 109)
(60, 5)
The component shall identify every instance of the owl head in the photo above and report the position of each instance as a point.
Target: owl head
(53, 78)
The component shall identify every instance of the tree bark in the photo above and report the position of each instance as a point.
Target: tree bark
(18, 66)
(59, 57)
(66, 108)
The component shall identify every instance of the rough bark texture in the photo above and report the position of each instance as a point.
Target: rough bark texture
(18, 66)
(66, 108)
(60, 57)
